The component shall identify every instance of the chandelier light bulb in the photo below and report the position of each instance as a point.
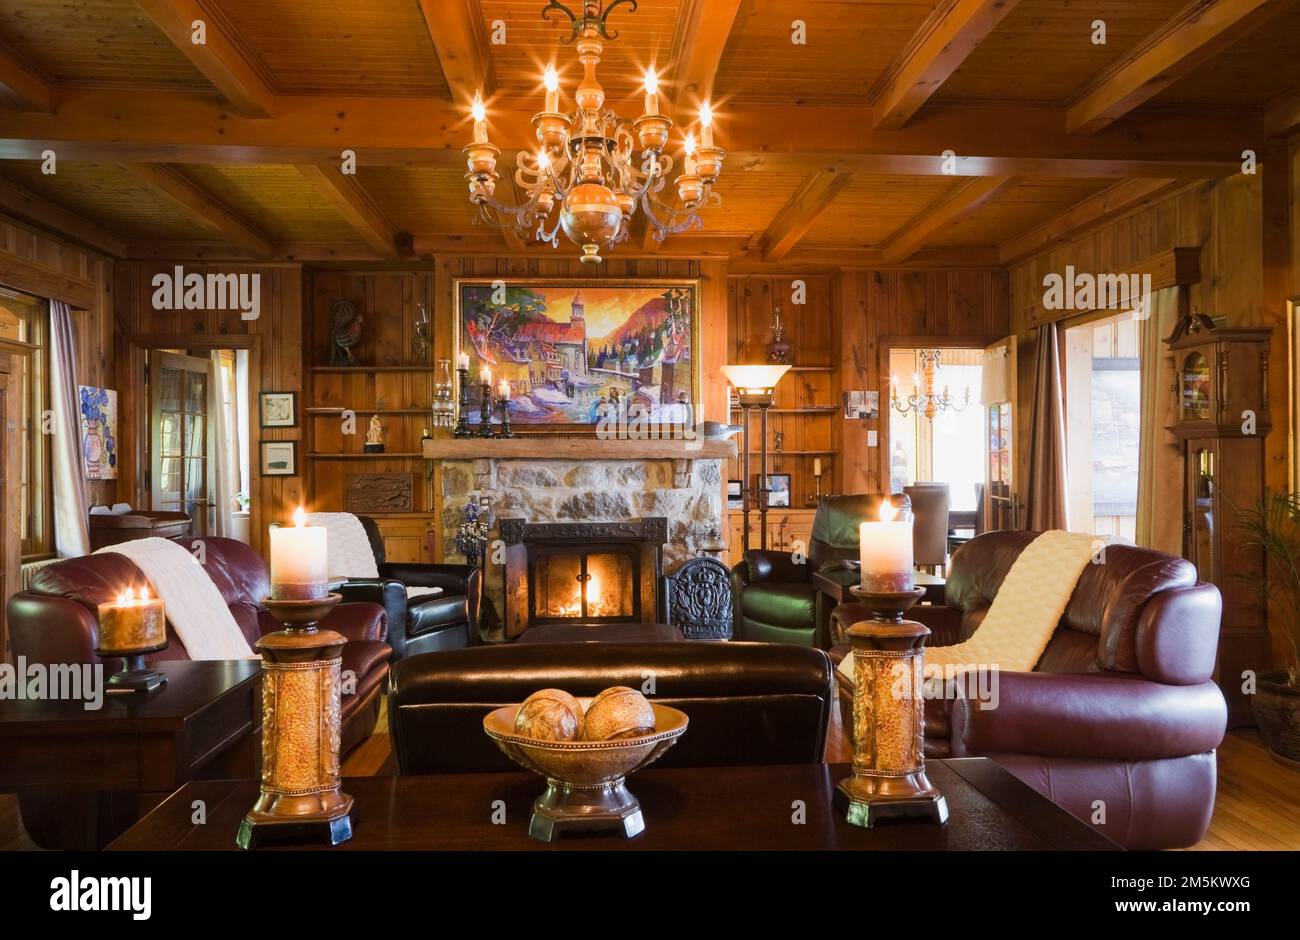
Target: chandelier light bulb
(689, 145)
(543, 161)
(706, 123)
(478, 109)
(651, 82)
(551, 79)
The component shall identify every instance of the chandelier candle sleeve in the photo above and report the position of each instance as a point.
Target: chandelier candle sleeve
(885, 548)
(651, 92)
(706, 125)
(128, 623)
(299, 560)
(552, 81)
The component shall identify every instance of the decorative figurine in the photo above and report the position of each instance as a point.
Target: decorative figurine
(374, 436)
(778, 350)
(345, 328)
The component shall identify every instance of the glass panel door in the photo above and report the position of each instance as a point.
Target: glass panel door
(179, 437)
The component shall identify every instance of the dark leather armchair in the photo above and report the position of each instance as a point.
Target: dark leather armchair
(424, 624)
(1121, 707)
(748, 703)
(774, 596)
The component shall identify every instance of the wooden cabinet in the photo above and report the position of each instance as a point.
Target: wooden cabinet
(1223, 417)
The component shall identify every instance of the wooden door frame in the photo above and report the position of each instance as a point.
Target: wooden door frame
(131, 378)
(886, 345)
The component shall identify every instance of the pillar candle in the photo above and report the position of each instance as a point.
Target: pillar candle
(886, 551)
(129, 624)
(817, 466)
(503, 389)
(486, 376)
(462, 361)
(299, 560)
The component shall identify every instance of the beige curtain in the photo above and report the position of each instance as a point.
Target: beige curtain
(1160, 462)
(71, 513)
(222, 452)
(1047, 484)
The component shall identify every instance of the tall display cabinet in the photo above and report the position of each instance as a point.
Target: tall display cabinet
(1222, 419)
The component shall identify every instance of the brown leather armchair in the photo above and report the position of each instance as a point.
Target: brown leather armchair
(774, 596)
(748, 703)
(54, 620)
(1121, 707)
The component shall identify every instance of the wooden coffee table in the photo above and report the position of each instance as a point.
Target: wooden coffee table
(85, 776)
(704, 808)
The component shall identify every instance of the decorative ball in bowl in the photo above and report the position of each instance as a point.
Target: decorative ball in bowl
(585, 758)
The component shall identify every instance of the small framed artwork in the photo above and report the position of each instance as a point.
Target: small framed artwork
(778, 490)
(862, 405)
(279, 458)
(735, 498)
(279, 409)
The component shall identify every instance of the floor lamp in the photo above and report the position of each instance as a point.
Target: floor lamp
(755, 385)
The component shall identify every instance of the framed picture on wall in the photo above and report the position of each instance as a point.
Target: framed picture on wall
(98, 431)
(778, 489)
(279, 458)
(279, 409)
(576, 353)
(735, 500)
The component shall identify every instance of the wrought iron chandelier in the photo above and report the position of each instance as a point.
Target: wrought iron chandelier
(587, 161)
(923, 400)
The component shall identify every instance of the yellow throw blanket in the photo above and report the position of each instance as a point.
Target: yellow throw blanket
(1026, 611)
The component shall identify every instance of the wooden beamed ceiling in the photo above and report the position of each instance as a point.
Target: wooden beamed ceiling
(805, 119)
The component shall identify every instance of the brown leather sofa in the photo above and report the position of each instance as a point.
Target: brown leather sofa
(748, 703)
(53, 621)
(1121, 708)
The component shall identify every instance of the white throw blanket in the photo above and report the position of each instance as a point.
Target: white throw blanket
(195, 608)
(1026, 611)
(348, 549)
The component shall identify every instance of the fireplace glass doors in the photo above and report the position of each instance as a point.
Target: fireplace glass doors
(599, 586)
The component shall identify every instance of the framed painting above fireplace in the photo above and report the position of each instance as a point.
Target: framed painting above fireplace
(567, 350)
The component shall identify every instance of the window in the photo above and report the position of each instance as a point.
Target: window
(948, 448)
(1103, 417)
(24, 318)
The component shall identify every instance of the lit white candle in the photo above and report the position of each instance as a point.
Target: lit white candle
(485, 376)
(503, 389)
(479, 112)
(299, 560)
(706, 124)
(689, 146)
(462, 361)
(817, 466)
(651, 92)
(885, 548)
(552, 81)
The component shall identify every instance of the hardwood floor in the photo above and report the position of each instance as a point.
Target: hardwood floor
(1258, 804)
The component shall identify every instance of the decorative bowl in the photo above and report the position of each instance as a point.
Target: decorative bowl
(585, 780)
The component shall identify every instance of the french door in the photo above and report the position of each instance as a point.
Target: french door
(1001, 504)
(179, 428)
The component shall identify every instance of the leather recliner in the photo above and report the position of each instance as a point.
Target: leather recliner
(1120, 718)
(774, 596)
(422, 624)
(748, 703)
(54, 620)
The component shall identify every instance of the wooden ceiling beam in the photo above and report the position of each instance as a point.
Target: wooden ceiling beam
(1097, 209)
(1181, 44)
(220, 57)
(461, 42)
(703, 28)
(20, 84)
(939, 47)
(167, 127)
(956, 205)
(810, 200)
(350, 199)
(183, 193)
(1282, 118)
(31, 208)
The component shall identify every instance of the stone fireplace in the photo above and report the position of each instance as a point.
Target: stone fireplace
(582, 572)
(676, 485)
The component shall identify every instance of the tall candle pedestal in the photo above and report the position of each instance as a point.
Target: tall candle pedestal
(485, 412)
(888, 717)
(300, 799)
(462, 412)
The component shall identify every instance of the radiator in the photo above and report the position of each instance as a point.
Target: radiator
(27, 571)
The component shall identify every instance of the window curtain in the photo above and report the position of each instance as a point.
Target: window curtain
(1160, 459)
(1047, 484)
(221, 454)
(71, 512)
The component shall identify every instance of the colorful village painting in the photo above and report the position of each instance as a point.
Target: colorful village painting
(570, 351)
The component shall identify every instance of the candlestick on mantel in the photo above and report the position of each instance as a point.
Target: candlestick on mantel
(885, 548)
(299, 560)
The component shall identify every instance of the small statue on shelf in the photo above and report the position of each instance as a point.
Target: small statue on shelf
(778, 350)
(374, 436)
(345, 332)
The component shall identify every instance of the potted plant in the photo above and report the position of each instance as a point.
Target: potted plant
(1273, 529)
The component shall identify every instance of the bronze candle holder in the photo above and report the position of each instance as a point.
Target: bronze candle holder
(132, 632)
(888, 716)
(135, 675)
(485, 412)
(505, 419)
(301, 799)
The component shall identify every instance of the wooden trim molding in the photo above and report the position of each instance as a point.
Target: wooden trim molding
(1175, 267)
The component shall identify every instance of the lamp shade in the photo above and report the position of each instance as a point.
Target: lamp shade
(756, 377)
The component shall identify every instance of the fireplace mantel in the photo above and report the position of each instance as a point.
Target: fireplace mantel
(575, 448)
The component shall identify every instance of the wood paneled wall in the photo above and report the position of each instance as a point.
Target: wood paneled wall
(274, 341)
(880, 309)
